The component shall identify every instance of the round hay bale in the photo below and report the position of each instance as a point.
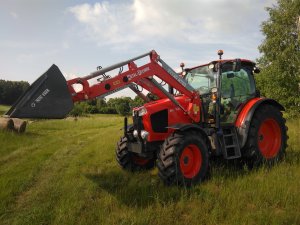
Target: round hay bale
(19, 125)
(6, 124)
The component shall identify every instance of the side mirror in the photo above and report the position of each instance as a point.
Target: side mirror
(237, 65)
(256, 70)
(212, 67)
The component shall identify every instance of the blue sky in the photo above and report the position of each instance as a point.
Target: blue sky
(79, 35)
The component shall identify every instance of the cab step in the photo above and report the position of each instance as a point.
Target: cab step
(230, 144)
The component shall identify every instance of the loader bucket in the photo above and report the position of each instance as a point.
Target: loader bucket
(48, 97)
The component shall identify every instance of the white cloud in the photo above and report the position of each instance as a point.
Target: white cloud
(105, 22)
(65, 45)
(205, 21)
(25, 58)
(34, 56)
(189, 30)
(14, 15)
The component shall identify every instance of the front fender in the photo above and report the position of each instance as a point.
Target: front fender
(189, 127)
(244, 118)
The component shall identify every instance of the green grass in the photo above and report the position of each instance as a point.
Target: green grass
(64, 172)
(3, 109)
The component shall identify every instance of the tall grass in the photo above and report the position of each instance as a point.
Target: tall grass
(64, 172)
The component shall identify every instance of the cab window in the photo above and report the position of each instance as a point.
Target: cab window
(236, 88)
(202, 79)
(237, 84)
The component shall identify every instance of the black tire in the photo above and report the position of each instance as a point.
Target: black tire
(267, 137)
(176, 166)
(131, 161)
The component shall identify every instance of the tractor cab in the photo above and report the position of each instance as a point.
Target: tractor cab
(236, 87)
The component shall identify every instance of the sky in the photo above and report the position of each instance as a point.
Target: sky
(79, 35)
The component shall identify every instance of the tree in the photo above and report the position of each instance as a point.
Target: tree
(10, 91)
(101, 103)
(137, 101)
(280, 60)
(122, 105)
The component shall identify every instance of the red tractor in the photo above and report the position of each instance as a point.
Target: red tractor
(208, 110)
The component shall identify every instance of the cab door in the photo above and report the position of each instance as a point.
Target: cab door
(237, 87)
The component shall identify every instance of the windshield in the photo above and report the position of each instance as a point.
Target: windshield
(202, 79)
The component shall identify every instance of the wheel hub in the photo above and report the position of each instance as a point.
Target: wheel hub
(190, 161)
(186, 160)
(269, 138)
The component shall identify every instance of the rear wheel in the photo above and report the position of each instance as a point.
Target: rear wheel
(183, 159)
(267, 136)
(132, 161)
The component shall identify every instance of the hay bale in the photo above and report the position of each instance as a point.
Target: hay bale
(19, 125)
(6, 124)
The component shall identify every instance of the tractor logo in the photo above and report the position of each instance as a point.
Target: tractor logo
(116, 82)
(138, 73)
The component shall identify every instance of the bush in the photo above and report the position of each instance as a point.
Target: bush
(78, 109)
(121, 106)
(107, 110)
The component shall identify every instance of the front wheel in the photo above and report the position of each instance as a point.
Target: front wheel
(183, 159)
(267, 138)
(131, 161)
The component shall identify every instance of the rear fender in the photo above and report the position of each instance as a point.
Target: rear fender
(244, 118)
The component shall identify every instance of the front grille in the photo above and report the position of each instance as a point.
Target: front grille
(159, 121)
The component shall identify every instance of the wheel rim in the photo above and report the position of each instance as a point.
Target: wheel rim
(190, 161)
(140, 161)
(269, 138)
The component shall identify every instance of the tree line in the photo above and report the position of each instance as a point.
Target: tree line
(10, 91)
(121, 106)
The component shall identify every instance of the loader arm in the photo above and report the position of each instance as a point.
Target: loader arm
(142, 76)
(40, 100)
(139, 75)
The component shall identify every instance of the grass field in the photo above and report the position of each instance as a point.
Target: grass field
(64, 172)
(3, 109)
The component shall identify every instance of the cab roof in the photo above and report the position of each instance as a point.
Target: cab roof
(247, 61)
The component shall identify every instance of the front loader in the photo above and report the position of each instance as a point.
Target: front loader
(209, 110)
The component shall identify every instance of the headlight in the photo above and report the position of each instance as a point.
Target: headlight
(142, 111)
(135, 133)
(144, 134)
